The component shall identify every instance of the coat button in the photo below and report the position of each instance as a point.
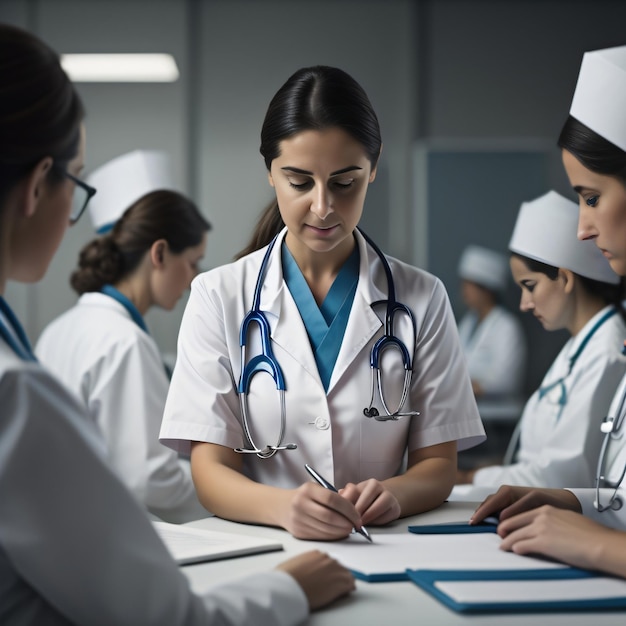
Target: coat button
(322, 423)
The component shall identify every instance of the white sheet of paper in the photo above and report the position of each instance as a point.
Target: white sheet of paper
(393, 553)
(533, 590)
(192, 545)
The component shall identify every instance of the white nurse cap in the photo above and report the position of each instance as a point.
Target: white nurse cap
(545, 231)
(122, 181)
(600, 97)
(484, 267)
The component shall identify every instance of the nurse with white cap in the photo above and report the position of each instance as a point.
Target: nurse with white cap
(102, 348)
(566, 284)
(593, 143)
(492, 337)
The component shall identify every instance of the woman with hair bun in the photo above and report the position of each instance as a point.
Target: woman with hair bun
(101, 348)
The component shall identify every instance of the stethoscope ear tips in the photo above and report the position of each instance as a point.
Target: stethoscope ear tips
(370, 412)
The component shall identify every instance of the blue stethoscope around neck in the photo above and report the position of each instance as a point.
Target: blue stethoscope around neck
(17, 340)
(267, 362)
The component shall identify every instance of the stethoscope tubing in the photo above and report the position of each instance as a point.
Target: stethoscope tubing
(267, 362)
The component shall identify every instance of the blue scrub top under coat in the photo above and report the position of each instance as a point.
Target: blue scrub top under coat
(325, 324)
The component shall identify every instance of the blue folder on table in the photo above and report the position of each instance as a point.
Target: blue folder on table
(434, 582)
(453, 528)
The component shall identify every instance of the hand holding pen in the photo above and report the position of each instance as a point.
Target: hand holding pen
(327, 485)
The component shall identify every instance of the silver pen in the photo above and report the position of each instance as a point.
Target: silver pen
(322, 481)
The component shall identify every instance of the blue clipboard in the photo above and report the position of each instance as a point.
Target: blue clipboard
(427, 580)
(453, 528)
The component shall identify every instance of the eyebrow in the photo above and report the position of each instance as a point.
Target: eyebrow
(580, 188)
(297, 170)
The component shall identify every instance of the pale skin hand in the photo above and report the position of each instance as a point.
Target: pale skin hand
(322, 579)
(509, 501)
(566, 536)
(425, 485)
(312, 512)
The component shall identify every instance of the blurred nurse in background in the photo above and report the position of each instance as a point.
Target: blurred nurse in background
(492, 337)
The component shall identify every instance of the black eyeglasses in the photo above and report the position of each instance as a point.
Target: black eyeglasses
(82, 194)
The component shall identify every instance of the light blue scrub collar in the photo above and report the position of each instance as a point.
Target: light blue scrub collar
(134, 313)
(325, 324)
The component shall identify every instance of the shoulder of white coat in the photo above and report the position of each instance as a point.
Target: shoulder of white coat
(101, 325)
(408, 279)
(229, 280)
(611, 336)
(29, 393)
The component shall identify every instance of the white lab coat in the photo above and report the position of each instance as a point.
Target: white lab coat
(115, 367)
(329, 428)
(559, 448)
(495, 351)
(614, 469)
(76, 547)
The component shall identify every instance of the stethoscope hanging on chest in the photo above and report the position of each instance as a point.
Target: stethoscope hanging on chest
(390, 340)
(267, 362)
(560, 382)
(13, 334)
(613, 428)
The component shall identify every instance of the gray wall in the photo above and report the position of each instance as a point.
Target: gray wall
(436, 70)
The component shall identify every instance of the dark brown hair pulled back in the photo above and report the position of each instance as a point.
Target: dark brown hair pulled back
(161, 214)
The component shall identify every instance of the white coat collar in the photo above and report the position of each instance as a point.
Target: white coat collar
(288, 329)
(95, 298)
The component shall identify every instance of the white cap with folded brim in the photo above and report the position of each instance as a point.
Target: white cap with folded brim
(600, 98)
(545, 231)
(484, 267)
(122, 181)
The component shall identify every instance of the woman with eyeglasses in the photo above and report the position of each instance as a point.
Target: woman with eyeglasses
(549, 521)
(102, 348)
(75, 546)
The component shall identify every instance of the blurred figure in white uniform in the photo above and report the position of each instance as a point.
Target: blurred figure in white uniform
(492, 337)
(565, 284)
(75, 546)
(548, 521)
(101, 348)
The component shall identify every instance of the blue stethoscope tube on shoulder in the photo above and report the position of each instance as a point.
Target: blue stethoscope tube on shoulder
(267, 362)
(560, 382)
(612, 427)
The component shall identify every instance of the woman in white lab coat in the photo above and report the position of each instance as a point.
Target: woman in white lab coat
(102, 350)
(492, 336)
(565, 283)
(75, 546)
(318, 290)
(548, 521)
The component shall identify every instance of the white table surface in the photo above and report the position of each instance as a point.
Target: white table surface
(386, 604)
